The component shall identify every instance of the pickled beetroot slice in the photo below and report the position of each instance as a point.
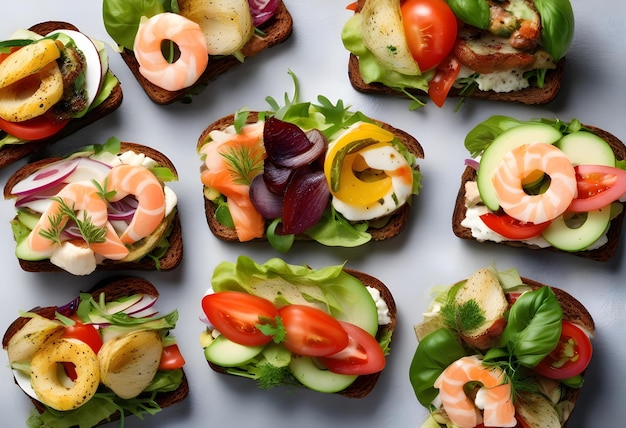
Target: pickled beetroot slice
(262, 10)
(46, 177)
(305, 200)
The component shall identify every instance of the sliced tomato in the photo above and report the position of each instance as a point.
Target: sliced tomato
(85, 333)
(352, 6)
(37, 128)
(238, 316)
(363, 355)
(171, 358)
(512, 228)
(311, 332)
(598, 186)
(445, 75)
(430, 29)
(570, 357)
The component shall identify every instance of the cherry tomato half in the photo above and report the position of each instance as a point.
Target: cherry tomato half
(598, 186)
(171, 358)
(37, 128)
(311, 332)
(362, 356)
(570, 357)
(430, 29)
(237, 315)
(512, 228)
(445, 75)
(85, 333)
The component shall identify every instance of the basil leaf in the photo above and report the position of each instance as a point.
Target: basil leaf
(483, 134)
(534, 326)
(121, 18)
(557, 22)
(473, 12)
(434, 353)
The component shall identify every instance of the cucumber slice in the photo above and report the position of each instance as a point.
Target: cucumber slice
(566, 238)
(226, 353)
(583, 147)
(322, 380)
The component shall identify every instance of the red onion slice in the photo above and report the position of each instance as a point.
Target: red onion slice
(267, 203)
(262, 10)
(275, 177)
(306, 198)
(123, 209)
(288, 146)
(472, 163)
(46, 177)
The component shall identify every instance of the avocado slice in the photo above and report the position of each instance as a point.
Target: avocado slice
(501, 145)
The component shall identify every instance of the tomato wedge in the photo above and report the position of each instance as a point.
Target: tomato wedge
(430, 28)
(598, 186)
(444, 78)
(85, 333)
(311, 332)
(171, 358)
(237, 316)
(362, 356)
(512, 228)
(37, 128)
(570, 357)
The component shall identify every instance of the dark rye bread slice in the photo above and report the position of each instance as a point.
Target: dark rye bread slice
(169, 261)
(364, 384)
(531, 95)
(603, 253)
(397, 220)
(13, 152)
(275, 31)
(113, 288)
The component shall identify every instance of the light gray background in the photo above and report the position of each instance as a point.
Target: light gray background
(425, 255)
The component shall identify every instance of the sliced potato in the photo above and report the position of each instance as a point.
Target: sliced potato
(537, 411)
(129, 362)
(32, 96)
(383, 35)
(46, 374)
(226, 24)
(30, 338)
(27, 61)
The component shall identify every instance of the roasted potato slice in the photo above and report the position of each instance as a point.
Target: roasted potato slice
(226, 24)
(46, 374)
(33, 95)
(28, 60)
(129, 362)
(31, 337)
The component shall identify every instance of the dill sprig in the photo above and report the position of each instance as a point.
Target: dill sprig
(463, 317)
(101, 190)
(244, 164)
(90, 232)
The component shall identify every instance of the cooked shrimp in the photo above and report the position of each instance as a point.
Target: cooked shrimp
(189, 39)
(80, 196)
(124, 180)
(495, 395)
(224, 175)
(523, 161)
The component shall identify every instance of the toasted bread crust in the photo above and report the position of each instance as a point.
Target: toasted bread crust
(363, 385)
(531, 96)
(169, 261)
(397, 220)
(604, 253)
(13, 152)
(276, 30)
(114, 288)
